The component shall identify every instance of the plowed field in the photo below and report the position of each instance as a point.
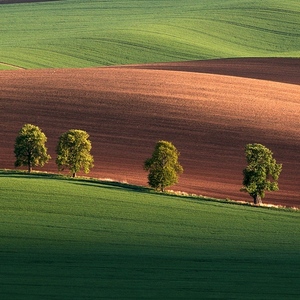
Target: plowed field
(208, 117)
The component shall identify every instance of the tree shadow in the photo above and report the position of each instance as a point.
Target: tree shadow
(77, 180)
(110, 185)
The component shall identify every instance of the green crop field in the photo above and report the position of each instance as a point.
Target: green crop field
(80, 33)
(75, 239)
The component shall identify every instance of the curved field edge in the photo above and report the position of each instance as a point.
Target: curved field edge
(93, 240)
(285, 70)
(64, 34)
(135, 188)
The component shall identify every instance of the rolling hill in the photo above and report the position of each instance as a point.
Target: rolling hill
(86, 239)
(126, 110)
(79, 33)
(75, 239)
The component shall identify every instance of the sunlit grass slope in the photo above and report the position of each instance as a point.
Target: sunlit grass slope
(80, 33)
(74, 239)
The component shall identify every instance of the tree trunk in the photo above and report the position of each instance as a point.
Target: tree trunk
(29, 163)
(74, 175)
(257, 200)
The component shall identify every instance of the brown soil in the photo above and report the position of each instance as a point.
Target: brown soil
(209, 118)
(274, 69)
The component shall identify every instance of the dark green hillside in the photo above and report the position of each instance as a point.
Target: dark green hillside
(80, 33)
(72, 239)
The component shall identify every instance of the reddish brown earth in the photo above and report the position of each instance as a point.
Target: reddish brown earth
(280, 70)
(209, 118)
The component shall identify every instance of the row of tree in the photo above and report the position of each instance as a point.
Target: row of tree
(73, 150)
(73, 153)
(260, 175)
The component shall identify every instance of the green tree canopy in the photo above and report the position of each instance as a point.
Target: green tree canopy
(30, 149)
(262, 172)
(73, 152)
(163, 166)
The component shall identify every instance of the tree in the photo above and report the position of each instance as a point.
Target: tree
(163, 166)
(73, 152)
(262, 172)
(30, 149)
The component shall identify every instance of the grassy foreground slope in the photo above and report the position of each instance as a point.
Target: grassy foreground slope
(67, 239)
(80, 33)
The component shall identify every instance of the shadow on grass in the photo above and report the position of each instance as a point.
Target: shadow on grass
(86, 181)
(24, 1)
(109, 185)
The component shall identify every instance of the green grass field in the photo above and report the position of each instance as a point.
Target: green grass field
(80, 33)
(75, 239)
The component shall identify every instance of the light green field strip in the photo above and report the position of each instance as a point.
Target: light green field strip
(4, 66)
(68, 239)
(77, 33)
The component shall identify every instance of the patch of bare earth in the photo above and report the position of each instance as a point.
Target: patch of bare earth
(209, 118)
